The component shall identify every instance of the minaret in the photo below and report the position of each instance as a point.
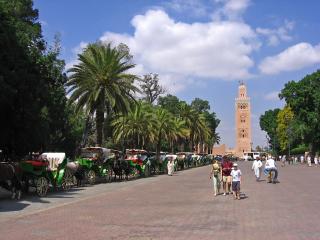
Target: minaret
(243, 121)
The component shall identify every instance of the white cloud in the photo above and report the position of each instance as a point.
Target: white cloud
(293, 58)
(78, 49)
(179, 51)
(75, 51)
(279, 34)
(272, 96)
(231, 9)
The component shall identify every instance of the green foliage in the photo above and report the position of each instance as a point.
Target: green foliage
(268, 123)
(101, 81)
(170, 103)
(304, 99)
(200, 105)
(284, 120)
(301, 149)
(32, 96)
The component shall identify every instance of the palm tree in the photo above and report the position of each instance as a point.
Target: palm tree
(199, 130)
(100, 79)
(137, 126)
(180, 131)
(164, 127)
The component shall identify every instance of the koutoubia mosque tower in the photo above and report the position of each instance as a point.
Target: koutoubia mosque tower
(243, 121)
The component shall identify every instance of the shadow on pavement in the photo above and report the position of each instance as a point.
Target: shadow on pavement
(12, 206)
(243, 196)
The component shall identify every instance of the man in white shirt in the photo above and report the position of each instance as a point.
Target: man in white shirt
(270, 167)
(257, 164)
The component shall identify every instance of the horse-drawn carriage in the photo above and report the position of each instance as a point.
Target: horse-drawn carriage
(96, 162)
(184, 160)
(44, 170)
(158, 164)
(139, 162)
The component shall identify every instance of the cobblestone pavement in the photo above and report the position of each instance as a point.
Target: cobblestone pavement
(177, 207)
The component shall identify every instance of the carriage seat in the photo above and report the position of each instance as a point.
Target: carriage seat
(37, 163)
(54, 159)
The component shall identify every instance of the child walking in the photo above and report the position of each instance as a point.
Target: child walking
(236, 181)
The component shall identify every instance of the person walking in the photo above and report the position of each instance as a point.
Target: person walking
(283, 161)
(236, 181)
(316, 160)
(256, 165)
(215, 176)
(301, 159)
(170, 166)
(270, 166)
(309, 160)
(226, 167)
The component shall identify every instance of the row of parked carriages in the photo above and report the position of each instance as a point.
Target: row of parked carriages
(54, 170)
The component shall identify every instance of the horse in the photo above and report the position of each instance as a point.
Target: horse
(78, 172)
(117, 168)
(10, 178)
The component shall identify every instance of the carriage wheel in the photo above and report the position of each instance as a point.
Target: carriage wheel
(42, 186)
(91, 176)
(135, 172)
(67, 181)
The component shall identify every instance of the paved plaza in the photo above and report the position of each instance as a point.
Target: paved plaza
(177, 207)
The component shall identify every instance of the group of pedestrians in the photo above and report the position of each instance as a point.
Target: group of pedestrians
(270, 169)
(295, 159)
(229, 174)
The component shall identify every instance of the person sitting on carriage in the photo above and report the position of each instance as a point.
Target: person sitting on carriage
(270, 166)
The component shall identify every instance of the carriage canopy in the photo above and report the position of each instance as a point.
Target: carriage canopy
(54, 159)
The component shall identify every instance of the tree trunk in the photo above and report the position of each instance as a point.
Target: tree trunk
(158, 147)
(99, 125)
(85, 132)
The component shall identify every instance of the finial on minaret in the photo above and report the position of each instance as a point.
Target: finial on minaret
(241, 83)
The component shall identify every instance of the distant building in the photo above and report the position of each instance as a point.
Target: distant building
(243, 121)
(243, 126)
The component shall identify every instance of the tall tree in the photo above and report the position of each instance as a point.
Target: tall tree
(32, 96)
(100, 80)
(268, 123)
(304, 99)
(284, 127)
(135, 127)
(170, 102)
(150, 87)
(200, 105)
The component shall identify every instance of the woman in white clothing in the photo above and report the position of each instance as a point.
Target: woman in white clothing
(257, 164)
(170, 166)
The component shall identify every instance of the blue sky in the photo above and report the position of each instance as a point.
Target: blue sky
(200, 48)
